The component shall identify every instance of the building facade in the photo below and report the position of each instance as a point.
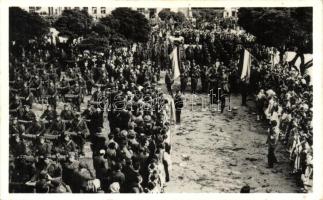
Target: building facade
(98, 12)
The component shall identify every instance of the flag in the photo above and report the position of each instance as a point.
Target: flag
(174, 57)
(245, 73)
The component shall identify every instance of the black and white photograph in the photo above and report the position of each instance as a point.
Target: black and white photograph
(160, 100)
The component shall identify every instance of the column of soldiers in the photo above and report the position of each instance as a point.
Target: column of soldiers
(130, 146)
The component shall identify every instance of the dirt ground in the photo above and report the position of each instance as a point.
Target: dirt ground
(214, 152)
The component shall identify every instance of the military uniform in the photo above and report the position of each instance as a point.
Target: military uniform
(79, 127)
(52, 92)
(178, 106)
(195, 74)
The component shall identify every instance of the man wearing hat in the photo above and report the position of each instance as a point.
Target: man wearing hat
(179, 104)
(49, 114)
(52, 92)
(67, 145)
(77, 92)
(28, 115)
(15, 128)
(79, 127)
(101, 167)
(41, 147)
(184, 76)
(195, 74)
(67, 115)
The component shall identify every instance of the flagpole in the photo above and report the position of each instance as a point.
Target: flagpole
(229, 109)
(219, 109)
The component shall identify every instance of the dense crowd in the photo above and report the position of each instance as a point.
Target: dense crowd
(285, 102)
(47, 150)
(131, 149)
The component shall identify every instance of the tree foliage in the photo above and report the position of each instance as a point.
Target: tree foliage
(287, 29)
(206, 14)
(24, 26)
(127, 23)
(167, 14)
(74, 23)
(283, 28)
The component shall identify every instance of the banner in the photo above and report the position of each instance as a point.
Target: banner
(245, 73)
(175, 63)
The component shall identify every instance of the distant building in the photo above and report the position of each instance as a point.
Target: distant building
(98, 12)
(230, 12)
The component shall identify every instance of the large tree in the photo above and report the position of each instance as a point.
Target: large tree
(128, 23)
(287, 29)
(74, 23)
(24, 26)
(166, 14)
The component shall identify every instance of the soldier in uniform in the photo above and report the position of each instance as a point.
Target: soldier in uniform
(178, 106)
(79, 127)
(41, 147)
(204, 79)
(64, 87)
(15, 128)
(67, 115)
(28, 115)
(213, 83)
(49, 114)
(36, 86)
(57, 127)
(89, 81)
(184, 76)
(195, 74)
(77, 91)
(14, 106)
(169, 82)
(52, 92)
(28, 97)
(66, 146)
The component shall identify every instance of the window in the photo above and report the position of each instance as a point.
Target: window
(103, 10)
(233, 13)
(141, 10)
(152, 12)
(77, 8)
(32, 9)
(86, 9)
(56, 12)
(94, 10)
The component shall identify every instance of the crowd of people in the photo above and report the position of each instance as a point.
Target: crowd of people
(285, 102)
(112, 100)
(131, 149)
